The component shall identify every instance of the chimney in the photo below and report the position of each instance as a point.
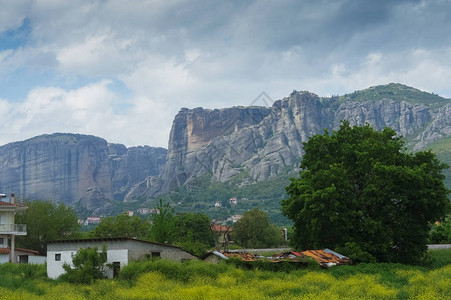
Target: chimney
(12, 199)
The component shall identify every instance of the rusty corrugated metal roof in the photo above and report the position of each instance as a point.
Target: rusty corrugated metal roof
(327, 257)
(242, 255)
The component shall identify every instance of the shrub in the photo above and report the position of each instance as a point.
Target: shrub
(89, 264)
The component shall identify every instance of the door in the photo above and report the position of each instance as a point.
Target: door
(116, 268)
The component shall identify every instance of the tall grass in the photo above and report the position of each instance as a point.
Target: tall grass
(198, 280)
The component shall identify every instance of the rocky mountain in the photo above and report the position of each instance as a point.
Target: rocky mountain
(75, 168)
(262, 142)
(246, 146)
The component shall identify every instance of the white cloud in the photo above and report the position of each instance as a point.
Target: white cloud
(172, 54)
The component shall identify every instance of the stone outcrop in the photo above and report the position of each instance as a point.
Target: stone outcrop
(74, 167)
(264, 142)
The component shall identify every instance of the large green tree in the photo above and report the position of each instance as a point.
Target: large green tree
(254, 230)
(46, 221)
(164, 223)
(360, 192)
(194, 233)
(122, 226)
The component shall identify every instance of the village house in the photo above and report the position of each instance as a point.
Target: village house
(8, 232)
(120, 251)
(218, 203)
(8, 229)
(143, 210)
(234, 218)
(93, 220)
(233, 201)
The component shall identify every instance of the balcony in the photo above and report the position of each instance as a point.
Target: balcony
(16, 229)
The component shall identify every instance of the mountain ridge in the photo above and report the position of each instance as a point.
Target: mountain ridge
(238, 146)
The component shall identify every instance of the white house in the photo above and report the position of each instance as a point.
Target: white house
(8, 229)
(120, 251)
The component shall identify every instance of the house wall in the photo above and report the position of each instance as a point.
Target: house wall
(36, 260)
(6, 217)
(4, 258)
(121, 251)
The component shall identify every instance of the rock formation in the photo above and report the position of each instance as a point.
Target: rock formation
(267, 141)
(74, 167)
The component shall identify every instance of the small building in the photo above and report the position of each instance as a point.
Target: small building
(26, 256)
(234, 218)
(143, 210)
(218, 203)
(93, 220)
(82, 222)
(233, 201)
(129, 213)
(120, 251)
(8, 229)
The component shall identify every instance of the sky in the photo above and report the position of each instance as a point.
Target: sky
(121, 70)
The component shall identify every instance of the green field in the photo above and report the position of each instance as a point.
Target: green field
(199, 280)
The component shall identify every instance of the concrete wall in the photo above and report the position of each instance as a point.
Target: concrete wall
(55, 268)
(122, 251)
(36, 259)
(4, 258)
(6, 217)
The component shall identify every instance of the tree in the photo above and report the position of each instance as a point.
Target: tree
(194, 233)
(89, 264)
(441, 232)
(122, 226)
(254, 230)
(46, 221)
(361, 193)
(163, 229)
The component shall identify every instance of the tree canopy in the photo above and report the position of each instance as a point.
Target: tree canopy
(360, 192)
(122, 226)
(46, 221)
(163, 228)
(194, 233)
(254, 230)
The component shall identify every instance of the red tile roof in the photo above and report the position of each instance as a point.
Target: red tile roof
(221, 228)
(27, 250)
(4, 251)
(3, 203)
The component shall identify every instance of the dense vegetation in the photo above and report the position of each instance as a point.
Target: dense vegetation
(254, 230)
(198, 280)
(397, 92)
(201, 194)
(46, 221)
(362, 195)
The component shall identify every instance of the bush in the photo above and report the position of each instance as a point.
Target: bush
(89, 264)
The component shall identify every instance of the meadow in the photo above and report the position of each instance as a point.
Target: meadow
(199, 280)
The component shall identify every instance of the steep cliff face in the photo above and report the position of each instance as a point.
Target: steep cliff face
(205, 141)
(60, 167)
(132, 165)
(74, 167)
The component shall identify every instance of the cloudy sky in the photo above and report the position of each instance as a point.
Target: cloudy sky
(121, 70)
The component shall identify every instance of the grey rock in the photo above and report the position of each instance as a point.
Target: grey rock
(224, 143)
(74, 168)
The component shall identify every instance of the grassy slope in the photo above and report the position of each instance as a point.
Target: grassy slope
(397, 92)
(443, 150)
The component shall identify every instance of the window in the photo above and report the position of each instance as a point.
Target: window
(58, 257)
(156, 255)
(2, 241)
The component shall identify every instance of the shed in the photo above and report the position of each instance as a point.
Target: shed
(120, 251)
